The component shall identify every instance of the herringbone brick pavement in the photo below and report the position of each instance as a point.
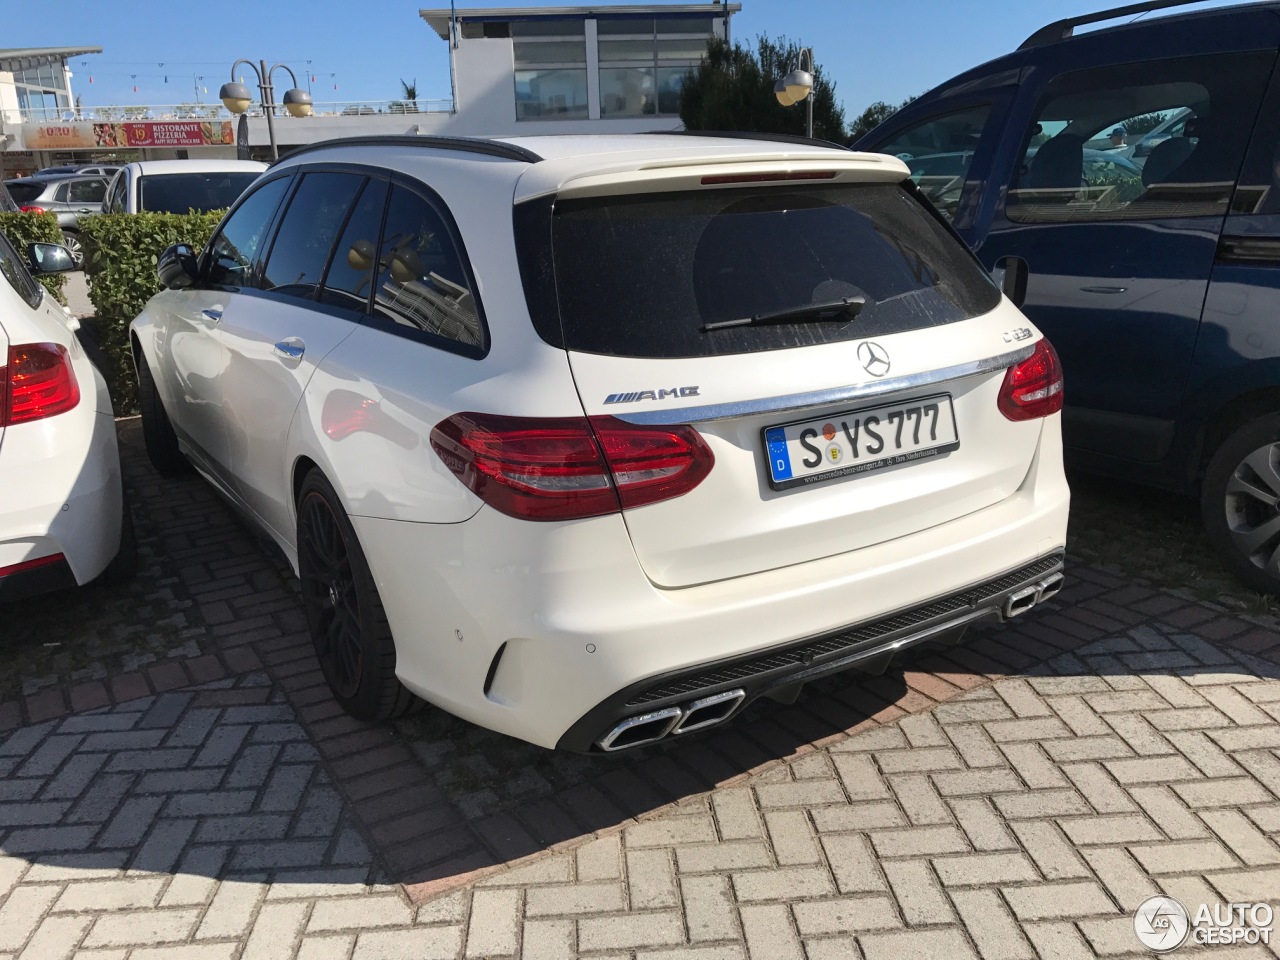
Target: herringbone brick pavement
(1022, 819)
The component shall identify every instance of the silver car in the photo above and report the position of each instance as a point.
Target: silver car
(69, 198)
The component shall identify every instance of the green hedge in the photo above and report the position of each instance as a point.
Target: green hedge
(121, 251)
(25, 228)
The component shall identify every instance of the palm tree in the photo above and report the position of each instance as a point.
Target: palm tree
(410, 91)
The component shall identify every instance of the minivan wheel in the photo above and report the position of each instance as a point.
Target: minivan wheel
(1240, 503)
(157, 430)
(344, 611)
(71, 241)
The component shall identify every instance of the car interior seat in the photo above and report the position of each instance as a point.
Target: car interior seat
(1165, 158)
(1058, 164)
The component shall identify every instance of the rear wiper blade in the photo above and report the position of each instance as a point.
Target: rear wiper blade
(844, 309)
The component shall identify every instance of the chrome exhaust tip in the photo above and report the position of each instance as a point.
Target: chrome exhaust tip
(709, 711)
(638, 731)
(1021, 601)
(1049, 587)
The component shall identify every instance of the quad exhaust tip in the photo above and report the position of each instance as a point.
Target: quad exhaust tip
(652, 727)
(1020, 601)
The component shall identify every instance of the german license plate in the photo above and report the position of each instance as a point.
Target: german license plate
(814, 451)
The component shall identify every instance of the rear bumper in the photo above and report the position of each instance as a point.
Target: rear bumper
(708, 694)
(539, 630)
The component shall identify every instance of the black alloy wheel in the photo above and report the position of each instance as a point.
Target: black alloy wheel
(344, 612)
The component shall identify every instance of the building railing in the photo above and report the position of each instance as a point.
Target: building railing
(121, 113)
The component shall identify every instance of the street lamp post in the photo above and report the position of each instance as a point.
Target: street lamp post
(798, 85)
(237, 98)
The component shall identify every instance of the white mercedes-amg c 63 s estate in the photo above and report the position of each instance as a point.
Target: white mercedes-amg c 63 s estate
(594, 440)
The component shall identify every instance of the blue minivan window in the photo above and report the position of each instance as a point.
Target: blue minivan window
(1139, 141)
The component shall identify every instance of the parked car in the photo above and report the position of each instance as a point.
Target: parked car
(696, 420)
(63, 520)
(69, 198)
(1160, 294)
(179, 186)
(81, 169)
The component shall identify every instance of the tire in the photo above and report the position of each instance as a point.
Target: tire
(157, 430)
(71, 240)
(124, 564)
(344, 612)
(1240, 503)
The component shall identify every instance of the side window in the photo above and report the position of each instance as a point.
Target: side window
(115, 197)
(16, 273)
(231, 253)
(350, 278)
(60, 195)
(421, 284)
(1259, 188)
(88, 191)
(939, 152)
(1139, 141)
(310, 226)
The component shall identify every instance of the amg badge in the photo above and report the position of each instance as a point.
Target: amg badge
(637, 395)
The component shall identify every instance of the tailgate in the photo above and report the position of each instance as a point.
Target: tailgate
(879, 386)
(743, 518)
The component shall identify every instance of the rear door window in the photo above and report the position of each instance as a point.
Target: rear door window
(1139, 141)
(349, 282)
(642, 275)
(88, 191)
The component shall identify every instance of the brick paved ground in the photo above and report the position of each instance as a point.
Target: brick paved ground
(914, 814)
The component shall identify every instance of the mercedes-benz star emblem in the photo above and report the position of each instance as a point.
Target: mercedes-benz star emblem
(874, 358)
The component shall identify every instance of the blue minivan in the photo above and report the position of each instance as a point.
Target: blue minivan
(1136, 171)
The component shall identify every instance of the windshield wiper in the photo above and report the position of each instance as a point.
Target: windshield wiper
(844, 309)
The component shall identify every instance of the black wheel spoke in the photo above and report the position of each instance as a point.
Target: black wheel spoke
(330, 594)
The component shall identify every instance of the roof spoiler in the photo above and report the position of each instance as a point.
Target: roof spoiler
(1062, 29)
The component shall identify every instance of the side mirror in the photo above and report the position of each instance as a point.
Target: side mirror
(1011, 273)
(49, 258)
(177, 267)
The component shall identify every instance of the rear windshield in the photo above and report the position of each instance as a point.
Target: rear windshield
(24, 193)
(640, 275)
(181, 192)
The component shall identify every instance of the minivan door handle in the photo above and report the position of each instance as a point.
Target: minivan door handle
(290, 349)
(215, 315)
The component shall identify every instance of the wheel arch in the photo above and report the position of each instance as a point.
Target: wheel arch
(1229, 418)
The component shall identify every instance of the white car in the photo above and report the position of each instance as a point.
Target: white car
(179, 186)
(62, 521)
(594, 440)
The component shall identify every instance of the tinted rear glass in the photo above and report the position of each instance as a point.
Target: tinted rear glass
(25, 192)
(180, 192)
(640, 275)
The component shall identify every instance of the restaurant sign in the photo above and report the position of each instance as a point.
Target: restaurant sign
(134, 133)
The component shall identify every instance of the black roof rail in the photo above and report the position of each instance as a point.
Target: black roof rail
(747, 135)
(488, 148)
(1062, 29)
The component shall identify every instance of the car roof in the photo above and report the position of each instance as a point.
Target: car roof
(545, 164)
(195, 166)
(1062, 31)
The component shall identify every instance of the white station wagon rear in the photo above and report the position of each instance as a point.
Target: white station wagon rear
(595, 440)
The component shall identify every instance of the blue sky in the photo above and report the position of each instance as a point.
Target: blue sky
(873, 49)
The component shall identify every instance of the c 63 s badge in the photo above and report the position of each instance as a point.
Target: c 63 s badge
(637, 395)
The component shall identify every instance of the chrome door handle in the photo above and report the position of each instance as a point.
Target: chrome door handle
(214, 315)
(291, 349)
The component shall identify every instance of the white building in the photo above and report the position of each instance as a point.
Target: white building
(520, 70)
(35, 85)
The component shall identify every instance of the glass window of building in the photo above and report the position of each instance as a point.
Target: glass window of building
(551, 69)
(644, 60)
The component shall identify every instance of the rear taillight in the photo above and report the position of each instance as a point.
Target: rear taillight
(37, 382)
(32, 208)
(1033, 388)
(569, 467)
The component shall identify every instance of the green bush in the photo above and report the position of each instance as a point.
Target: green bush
(121, 252)
(24, 228)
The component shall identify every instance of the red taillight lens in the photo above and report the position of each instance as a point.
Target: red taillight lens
(569, 467)
(38, 382)
(32, 208)
(1033, 388)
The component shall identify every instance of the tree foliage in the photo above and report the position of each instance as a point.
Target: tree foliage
(732, 89)
(873, 116)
